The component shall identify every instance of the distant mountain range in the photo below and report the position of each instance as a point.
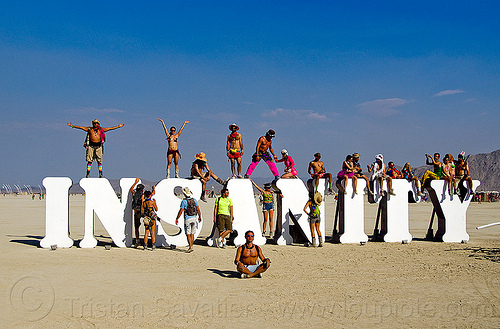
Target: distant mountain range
(484, 167)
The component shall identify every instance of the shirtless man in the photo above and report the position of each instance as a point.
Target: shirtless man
(173, 150)
(264, 144)
(95, 143)
(318, 171)
(462, 172)
(234, 148)
(246, 258)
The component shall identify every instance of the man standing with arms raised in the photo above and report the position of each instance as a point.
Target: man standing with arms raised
(95, 143)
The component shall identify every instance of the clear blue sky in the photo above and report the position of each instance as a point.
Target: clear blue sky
(393, 77)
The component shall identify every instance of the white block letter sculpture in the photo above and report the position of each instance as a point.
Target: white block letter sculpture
(101, 199)
(244, 212)
(295, 197)
(451, 212)
(57, 212)
(351, 215)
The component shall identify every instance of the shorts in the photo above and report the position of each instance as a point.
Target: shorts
(314, 220)
(267, 206)
(252, 268)
(190, 225)
(94, 153)
(234, 154)
(224, 223)
(137, 219)
(318, 174)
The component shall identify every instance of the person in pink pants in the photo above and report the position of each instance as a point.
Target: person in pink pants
(264, 146)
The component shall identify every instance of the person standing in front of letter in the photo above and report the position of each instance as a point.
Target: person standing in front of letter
(94, 143)
(191, 213)
(314, 216)
(223, 217)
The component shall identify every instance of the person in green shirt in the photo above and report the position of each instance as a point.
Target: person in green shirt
(223, 217)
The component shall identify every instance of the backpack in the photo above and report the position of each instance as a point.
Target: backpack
(137, 200)
(191, 209)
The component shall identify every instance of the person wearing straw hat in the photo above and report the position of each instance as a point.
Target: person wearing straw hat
(94, 143)
(192, 216)
(312, 210)
(197, 168)
(234, 148)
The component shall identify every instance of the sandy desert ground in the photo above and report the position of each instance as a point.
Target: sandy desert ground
(381, 285)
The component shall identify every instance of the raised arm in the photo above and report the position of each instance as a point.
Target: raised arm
(257, 186)
(183, 125)
(132, 187)
(78, 127)
(164, 128)
(113, 128)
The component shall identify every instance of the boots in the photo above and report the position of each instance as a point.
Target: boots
(320, 241)
(168, 173)
(314, 242)
(176, 172)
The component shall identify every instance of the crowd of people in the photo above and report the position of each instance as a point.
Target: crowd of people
(454, 172)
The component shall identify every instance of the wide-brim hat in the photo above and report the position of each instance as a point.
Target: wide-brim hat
(271, 133)
(379, 157)
(267, 185)
(201, 156)
(187, 192)
(355, 155)
(318, 198)
(233, 125)
(95, 120)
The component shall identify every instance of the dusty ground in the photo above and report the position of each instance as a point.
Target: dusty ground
(421, 284)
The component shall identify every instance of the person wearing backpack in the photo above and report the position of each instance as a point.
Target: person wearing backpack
(191, 211)
(137, 199)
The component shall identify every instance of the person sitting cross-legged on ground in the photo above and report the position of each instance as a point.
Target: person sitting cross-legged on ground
(246, 258)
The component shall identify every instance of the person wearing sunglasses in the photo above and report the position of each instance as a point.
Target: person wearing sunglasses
(246, 258)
